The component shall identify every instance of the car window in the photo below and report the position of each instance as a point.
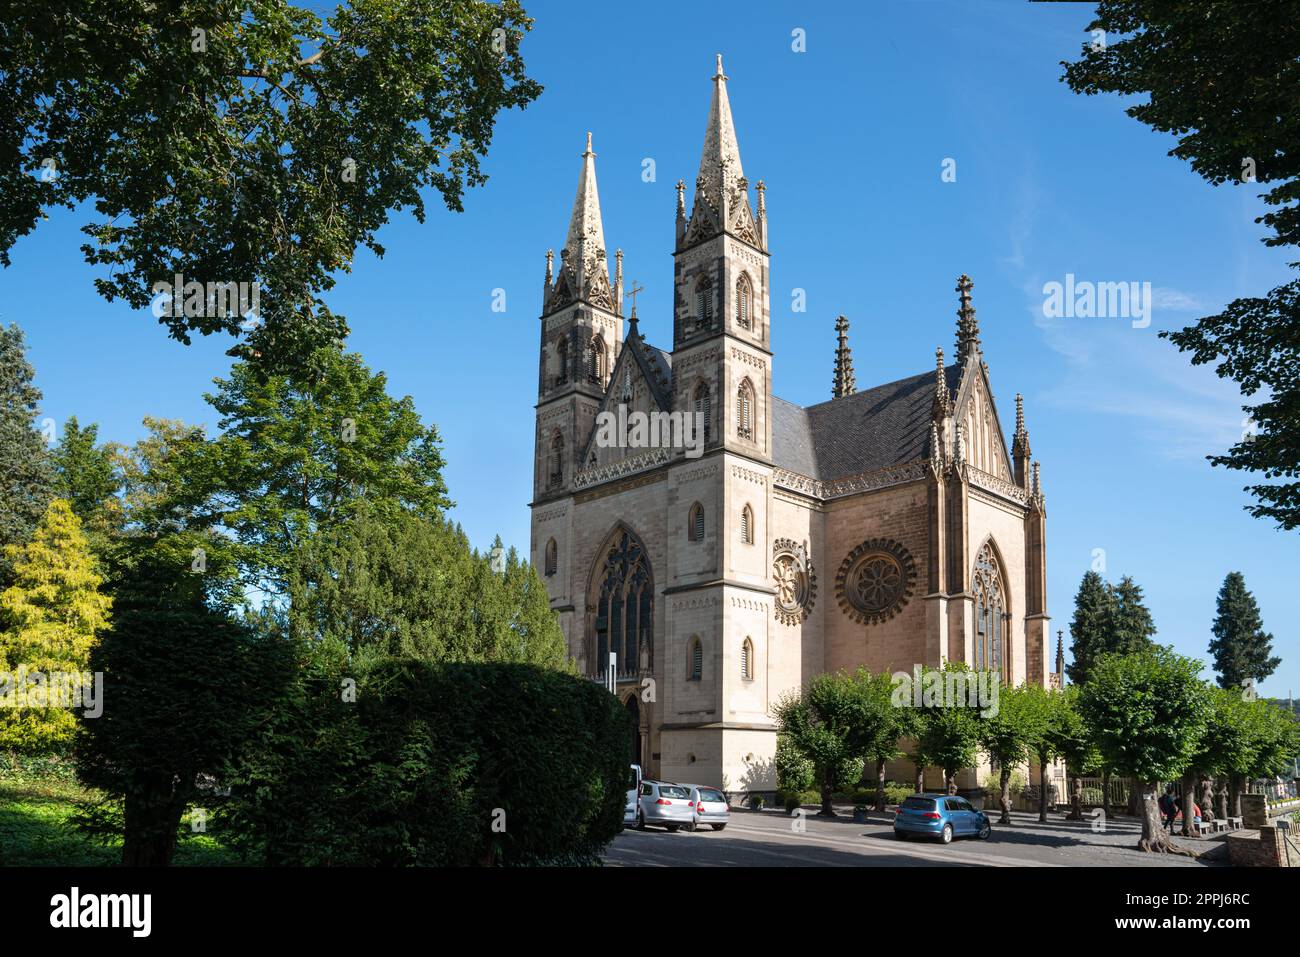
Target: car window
(954, 804)
(965, 805)
(708, 794)
(919, 804)
(647, 789)
(674, 791)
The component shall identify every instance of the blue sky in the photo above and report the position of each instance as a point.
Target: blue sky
(850, 137)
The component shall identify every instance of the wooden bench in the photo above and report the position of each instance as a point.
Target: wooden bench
(1234, 823)
(1215, 825)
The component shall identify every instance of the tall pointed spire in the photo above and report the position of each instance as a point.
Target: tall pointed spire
(721, 190)
(968, 327)
(1060, 658)
(583, 266)
(844, 382)
(1020, 454)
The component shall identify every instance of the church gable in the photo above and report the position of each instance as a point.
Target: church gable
(983, 445)
(632, 418)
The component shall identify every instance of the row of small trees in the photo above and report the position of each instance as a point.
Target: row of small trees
(1147, 715)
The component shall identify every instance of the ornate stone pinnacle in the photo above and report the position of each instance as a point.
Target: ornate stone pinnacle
(844, 382)
(940, 406)
(968, 329)
(1020, 414)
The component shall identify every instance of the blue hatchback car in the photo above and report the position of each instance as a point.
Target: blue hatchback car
(944, 816)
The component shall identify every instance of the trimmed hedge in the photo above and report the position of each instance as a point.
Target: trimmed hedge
(439, 764)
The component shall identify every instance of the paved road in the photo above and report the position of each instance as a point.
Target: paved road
(769, 839)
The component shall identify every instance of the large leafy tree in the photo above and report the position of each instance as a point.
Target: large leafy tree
(299, 454)
(25, 477)
(892, 724)
(186, 685)
(248, 140)
(1221, 76)
(1242, 650)
(951, 726)
(1148, 713)
(823, 723)
(51, 615)
(1008, 735)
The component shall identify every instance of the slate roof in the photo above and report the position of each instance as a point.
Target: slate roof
(869, 430)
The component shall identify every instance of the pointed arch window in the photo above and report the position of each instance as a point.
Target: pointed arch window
(555, 474)
(624, 618)
(695, 523)
(551, 560)
(747, 525)
(745, 410)
(595, 353)
(744, 302)
(703, 407)
(747, 660)
(703, 304)
(992, 619)
(695, 661)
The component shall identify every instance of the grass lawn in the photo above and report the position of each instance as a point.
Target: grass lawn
(36, 830)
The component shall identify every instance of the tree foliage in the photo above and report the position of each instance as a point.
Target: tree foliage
(826, 724)
(88, 475)
(26, 483)
(1221, 77)
(52, 614)
(1242, 650)
(248, 140)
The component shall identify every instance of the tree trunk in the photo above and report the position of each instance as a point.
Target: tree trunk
(1105, 792)
(1153, 837)
(1135, 801)
(827, 787)
(1076, 798)
(950, 780)
(1005, 797)
(1042, 788)
(1234, 794)
(880, 784)
(920, 779)
(150, 824)
(1189, 800)
(1221, 797)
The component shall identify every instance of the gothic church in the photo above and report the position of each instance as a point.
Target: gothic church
(886, 527)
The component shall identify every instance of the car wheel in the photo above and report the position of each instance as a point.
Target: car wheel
(718, 827)
(946, 836)
(985, 831)
(640, 821)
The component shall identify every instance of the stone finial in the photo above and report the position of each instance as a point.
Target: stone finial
(940, 406)
(968, 329)
(1060, 656)
(1020, 413)
(550, 265)
(844, 382)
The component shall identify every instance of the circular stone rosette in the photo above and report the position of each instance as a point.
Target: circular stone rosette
(796, 581)
(875, 581)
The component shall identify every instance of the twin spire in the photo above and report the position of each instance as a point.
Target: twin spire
(584, 268)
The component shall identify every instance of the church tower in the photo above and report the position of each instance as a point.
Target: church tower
(581, 336)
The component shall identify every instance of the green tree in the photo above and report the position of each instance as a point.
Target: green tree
(1148, 713)
(1008, 735)
(282, 141)
(1221, 77)
(186, 685)
(411, 587)
(25, 478)
(895, 724)
(298, 455)
(1088, 628)
(822, 724)
(52, 614)
(1129, 625)
(951, 726)
(1241, 648)
(89, 477)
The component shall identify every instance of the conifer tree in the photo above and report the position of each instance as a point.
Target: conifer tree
(1129, 624)
(88, 476)
(1241, 648)
(52, 615)
(25, 477)
(1088, 627)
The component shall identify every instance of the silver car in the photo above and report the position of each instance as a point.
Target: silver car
(664, 805)
(710, 807)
